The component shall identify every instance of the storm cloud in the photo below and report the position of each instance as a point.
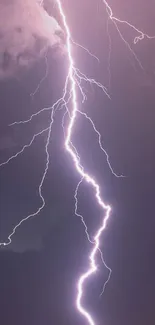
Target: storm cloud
(26, 32)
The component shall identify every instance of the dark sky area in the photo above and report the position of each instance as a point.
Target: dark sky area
(39, 270)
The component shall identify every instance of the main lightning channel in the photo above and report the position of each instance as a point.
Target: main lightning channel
(68, 145)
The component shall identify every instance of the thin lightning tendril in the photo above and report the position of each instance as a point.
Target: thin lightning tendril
(49, 129)
(100, 142)
(86, 50)
(116, 20)
(42, 79)
(23, 148)
(73, 83)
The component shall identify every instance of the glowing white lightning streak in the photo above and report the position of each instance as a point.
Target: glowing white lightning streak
(86, 176)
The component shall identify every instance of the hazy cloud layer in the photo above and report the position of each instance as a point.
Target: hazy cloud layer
(26, 31)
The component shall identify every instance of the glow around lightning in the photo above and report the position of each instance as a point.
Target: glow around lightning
(73, 83)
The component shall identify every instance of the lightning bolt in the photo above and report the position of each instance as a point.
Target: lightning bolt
(106, 208)
(73, 83)
(85, 176)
